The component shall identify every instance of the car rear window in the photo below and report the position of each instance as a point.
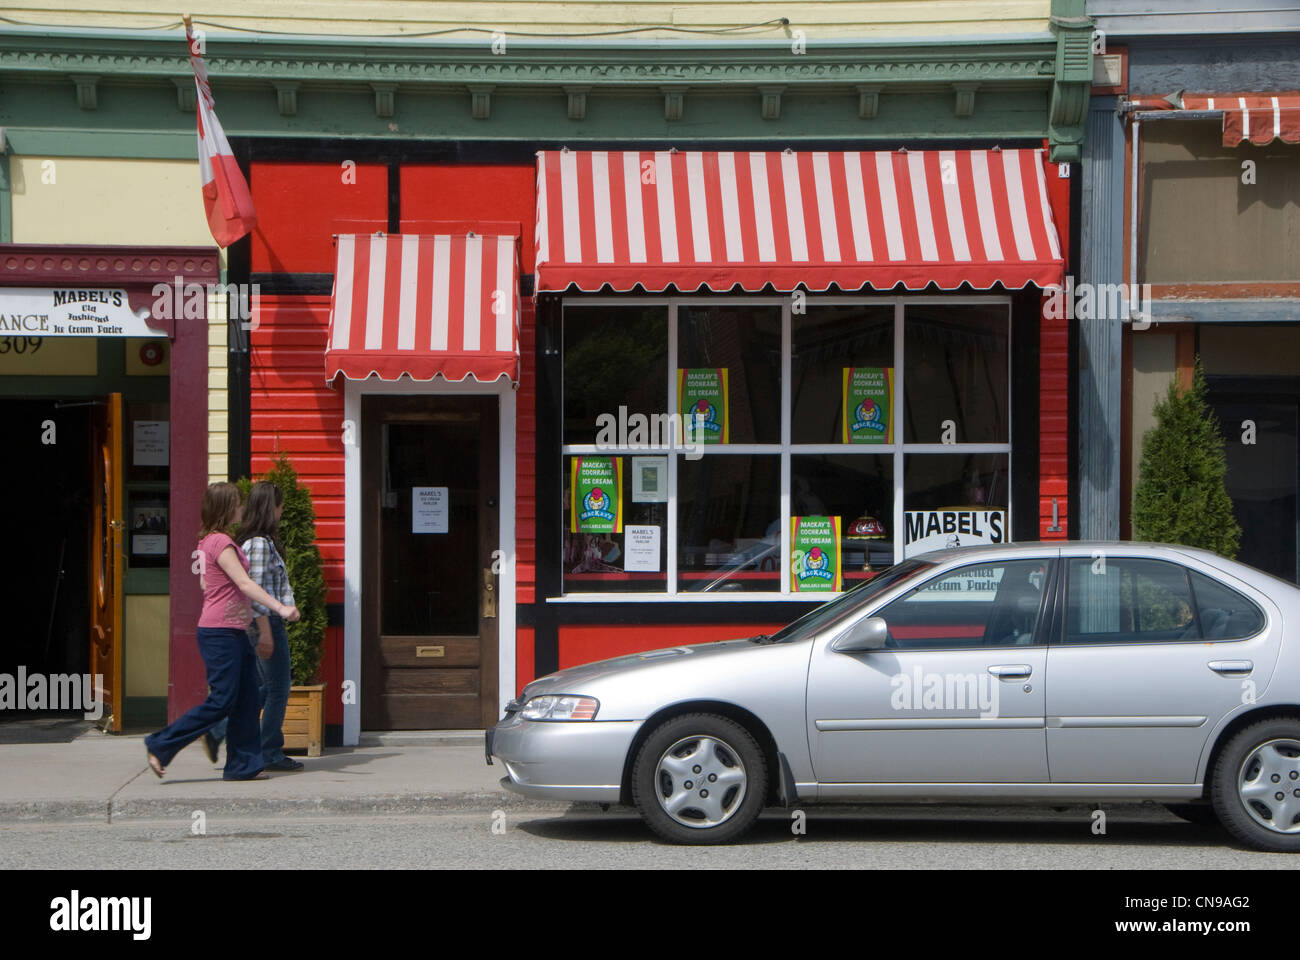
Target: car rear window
(1225, 614)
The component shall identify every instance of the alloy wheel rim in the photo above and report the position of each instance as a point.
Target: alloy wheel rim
(1268, 785)
(700, 782)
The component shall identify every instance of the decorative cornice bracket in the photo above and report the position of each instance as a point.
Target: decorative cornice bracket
(770, 108)
(577, 101)
(385, 97)
(480, 100)
(87, 90)
(869, 100)
(286, 97)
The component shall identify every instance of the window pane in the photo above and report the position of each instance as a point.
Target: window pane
(613, 356)
(826, 341)
(744, 342)
(859, 489)
(729, 523)
(983, 605)
(598, 557)
(955, 369)
(1118, 600)
(951, 500)
(1225, 614)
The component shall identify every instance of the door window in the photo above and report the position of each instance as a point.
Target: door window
(1125, 600)
(981, 605)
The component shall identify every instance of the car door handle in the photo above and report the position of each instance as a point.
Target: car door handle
(1232, 668)
(1011, 671)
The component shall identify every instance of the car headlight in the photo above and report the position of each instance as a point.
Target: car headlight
(560, 708)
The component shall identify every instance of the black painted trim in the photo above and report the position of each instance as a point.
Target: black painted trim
(333, 614)
(1072, 417)
(294, 284)
(394, 196)
(546, 641)
(327, 149)
(1026, 408)
(239, 382)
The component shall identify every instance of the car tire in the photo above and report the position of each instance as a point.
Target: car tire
(1201, 814)
(675, 767)
(1244, 792)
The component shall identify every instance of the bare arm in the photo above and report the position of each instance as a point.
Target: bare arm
(229, 563)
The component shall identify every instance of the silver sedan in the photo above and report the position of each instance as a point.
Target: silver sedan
(1042, 672)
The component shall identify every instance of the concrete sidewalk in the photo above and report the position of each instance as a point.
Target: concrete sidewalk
(101, 777)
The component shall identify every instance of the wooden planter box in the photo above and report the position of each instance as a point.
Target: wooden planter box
(304, 719)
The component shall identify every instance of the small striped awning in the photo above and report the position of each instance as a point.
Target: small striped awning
(1259, 118)
(811, 220)
(424, 306)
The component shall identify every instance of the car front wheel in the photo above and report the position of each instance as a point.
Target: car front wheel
(1256, 788)
(699, 778)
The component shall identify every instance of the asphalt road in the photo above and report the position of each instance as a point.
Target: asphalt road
(882, 838)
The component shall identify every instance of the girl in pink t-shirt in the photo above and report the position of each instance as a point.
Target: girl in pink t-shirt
(223, 642)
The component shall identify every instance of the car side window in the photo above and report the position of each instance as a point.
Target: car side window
(1225, 614)
(986, 604)
(1128, 600)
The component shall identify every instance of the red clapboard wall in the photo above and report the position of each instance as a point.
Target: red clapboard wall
(293, 411)
(1054, 382)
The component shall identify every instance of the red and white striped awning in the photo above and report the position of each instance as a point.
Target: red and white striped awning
(425, 306)
(812, 220)
(1260, 118)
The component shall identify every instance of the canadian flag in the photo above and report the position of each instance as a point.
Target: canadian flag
(226, 198)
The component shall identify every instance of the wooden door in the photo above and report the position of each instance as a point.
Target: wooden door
(106, 562)
(429, 487)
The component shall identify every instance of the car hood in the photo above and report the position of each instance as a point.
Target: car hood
(580, 680)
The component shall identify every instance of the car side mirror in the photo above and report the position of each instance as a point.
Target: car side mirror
(869, 634)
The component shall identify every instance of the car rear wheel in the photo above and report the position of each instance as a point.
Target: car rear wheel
(1256, 789)
(699, 778)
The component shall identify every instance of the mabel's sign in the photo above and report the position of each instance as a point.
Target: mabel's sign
(70, 312)
(953, 527)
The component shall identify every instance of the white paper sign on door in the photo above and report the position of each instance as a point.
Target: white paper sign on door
(642, 549)
(150, 447)
(428, 509)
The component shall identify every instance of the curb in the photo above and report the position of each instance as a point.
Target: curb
(76, 811)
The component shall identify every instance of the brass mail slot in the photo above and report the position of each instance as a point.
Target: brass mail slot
(431, 651)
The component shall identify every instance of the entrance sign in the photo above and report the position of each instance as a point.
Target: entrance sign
(702, 392)
(642, 549)
(429, 509)
(57, 312)
(596, 495)
(815, 555)
(953, 527)
(149, 443)
(867, 412)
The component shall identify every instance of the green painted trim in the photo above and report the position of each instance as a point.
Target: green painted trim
(6, 202)
(146, 581)
(127, 143)
(144, 712)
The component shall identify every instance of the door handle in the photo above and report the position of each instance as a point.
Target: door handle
(1232, 668)
(1011, 671)
(489, 611)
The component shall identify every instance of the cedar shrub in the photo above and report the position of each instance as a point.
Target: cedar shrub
(1181, 496)
(306, 571)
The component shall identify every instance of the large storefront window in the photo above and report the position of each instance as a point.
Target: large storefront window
(760, 447)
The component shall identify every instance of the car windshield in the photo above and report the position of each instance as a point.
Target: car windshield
(828, 613)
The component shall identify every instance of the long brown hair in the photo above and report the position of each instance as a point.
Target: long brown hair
(259, 515)
(220, 508)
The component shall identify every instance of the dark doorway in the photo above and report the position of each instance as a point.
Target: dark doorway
(1264, 475)
(46, 587)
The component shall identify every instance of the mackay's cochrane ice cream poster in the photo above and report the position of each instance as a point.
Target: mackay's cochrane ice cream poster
(866, 414)
(596, 491)
(815, 555)
(702, 394)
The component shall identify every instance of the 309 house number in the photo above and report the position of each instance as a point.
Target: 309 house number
(20, 344)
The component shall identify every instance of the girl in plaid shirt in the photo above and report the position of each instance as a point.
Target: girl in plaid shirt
(259, 538)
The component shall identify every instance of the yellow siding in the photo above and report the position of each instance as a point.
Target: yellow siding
(218, 432)
(866, 19)
(146, 645)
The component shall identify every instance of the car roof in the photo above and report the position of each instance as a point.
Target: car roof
(1072, 548)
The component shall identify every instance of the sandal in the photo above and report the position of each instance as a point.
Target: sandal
(154, 764)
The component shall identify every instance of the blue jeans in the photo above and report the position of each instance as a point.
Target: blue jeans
(232, 696)
(274, 694)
